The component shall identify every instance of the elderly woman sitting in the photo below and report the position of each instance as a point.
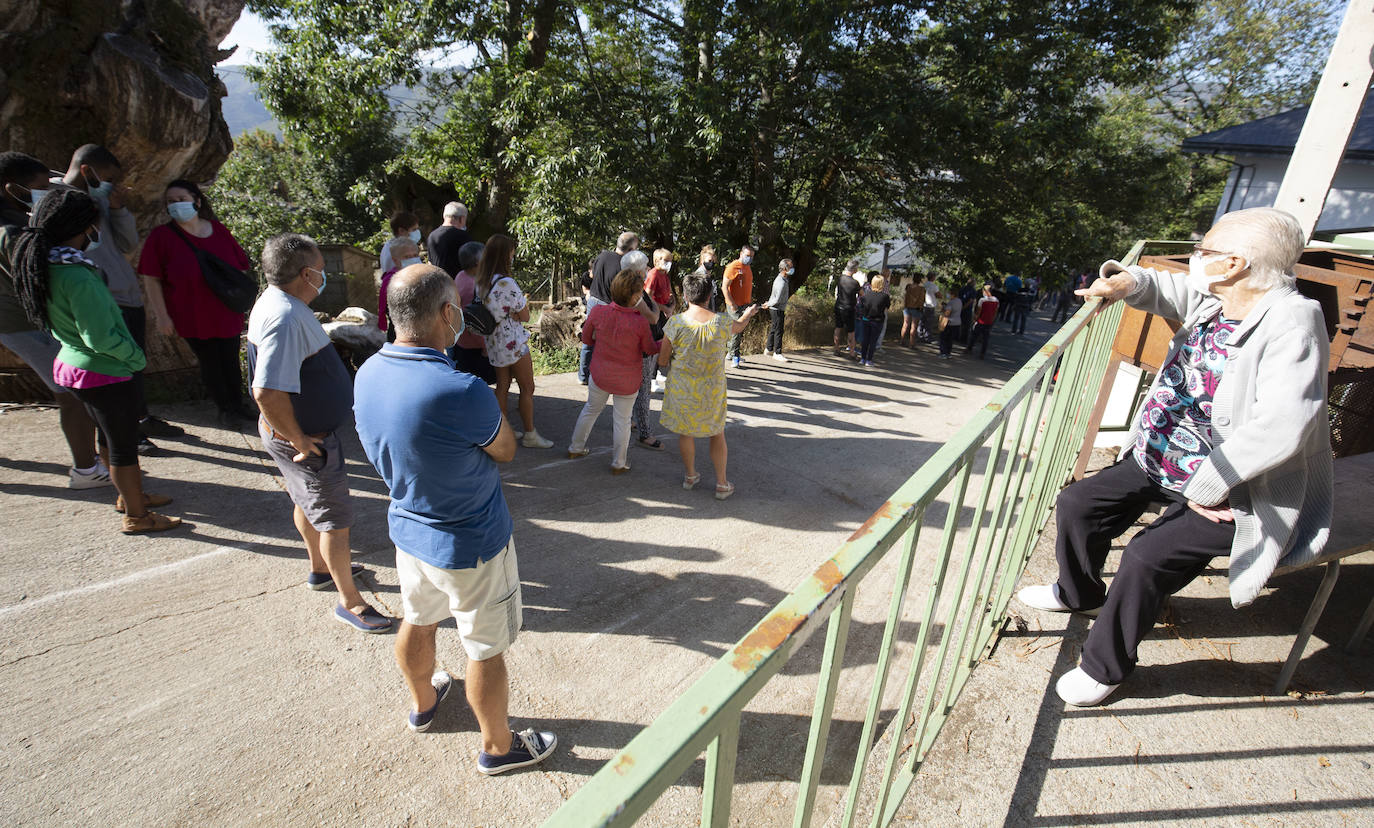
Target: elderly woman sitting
(1233, 437)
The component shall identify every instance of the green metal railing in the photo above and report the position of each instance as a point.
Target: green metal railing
(1024, 442)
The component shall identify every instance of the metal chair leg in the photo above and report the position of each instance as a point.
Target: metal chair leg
(1362, 630)
(1309, 623)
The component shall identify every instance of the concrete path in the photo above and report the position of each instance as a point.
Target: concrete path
(191, 677)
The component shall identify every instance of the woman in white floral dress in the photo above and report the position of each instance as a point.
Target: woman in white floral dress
(508, 345)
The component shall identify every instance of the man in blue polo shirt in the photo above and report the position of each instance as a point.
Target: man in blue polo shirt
(435, 435)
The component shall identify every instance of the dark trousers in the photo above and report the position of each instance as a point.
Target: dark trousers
(983, 332)
(870, 328)
(115, 411)
(734, 314)
(1018, 317)
(136, 320)
(775, 330)
(1157, 562)
(947, 337)
(220, 371)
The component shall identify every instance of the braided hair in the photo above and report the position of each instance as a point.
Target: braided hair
(58, 217)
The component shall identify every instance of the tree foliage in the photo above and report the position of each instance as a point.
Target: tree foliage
(270, 185)
(1007, 136)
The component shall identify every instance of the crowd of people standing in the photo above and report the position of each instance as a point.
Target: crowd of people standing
(73, 307)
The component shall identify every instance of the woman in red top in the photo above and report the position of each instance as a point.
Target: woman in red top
(180, 301)
(622, 339)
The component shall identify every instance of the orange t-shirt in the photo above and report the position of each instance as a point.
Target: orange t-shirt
(739, 283)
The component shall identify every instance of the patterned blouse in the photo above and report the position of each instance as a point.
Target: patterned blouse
(508, 343)
(1176, 421)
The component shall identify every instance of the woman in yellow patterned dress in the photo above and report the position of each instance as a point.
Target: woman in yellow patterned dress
(694, 400)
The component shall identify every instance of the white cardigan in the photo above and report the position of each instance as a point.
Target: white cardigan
(1271, 452)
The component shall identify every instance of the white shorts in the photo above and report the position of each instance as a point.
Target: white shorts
(484, 600)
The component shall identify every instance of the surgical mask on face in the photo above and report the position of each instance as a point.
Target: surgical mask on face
(667, 267)
(100, 188)
(182, 211)
(462, 324)
(414, 235)
(709, 264)
(746, 258)
(92, 243)
(324, 280)
(1198, 278)
(36, 196)
(411, 261)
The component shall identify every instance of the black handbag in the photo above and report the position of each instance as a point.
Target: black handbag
(478, 319)
(237, 289)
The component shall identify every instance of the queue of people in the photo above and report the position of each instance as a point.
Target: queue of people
(435, 434)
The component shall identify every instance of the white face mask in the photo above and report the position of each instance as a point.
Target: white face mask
(1198, 278)
(746, 258)
(409, 262)
(462, 324)
(667, 267)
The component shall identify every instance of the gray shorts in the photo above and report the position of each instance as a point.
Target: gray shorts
(38, 349)
(317, 484)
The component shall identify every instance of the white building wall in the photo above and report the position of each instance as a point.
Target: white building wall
(1255, 183)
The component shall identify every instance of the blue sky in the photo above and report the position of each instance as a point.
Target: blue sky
(250, 35)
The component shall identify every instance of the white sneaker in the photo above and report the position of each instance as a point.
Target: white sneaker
(533, 440)
(1082, 690)
(780, 358)
(767, 352)
(94, 479)
(1047, 597)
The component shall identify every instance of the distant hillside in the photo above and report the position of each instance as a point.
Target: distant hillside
(245, 112)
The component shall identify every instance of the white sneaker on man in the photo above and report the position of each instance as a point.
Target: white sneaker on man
(780, 358)
(1047, 597)
(97, 476)
(767, 352)
(1082, 690)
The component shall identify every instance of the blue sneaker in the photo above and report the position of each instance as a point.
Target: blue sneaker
(442, 683)
(368, 621)
(527, 748)
(323, 580)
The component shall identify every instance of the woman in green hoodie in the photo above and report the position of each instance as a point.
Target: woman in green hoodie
(62, 292)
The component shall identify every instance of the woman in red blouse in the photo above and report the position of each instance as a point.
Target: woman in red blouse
(180, 301)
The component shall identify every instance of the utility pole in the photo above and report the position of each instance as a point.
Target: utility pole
(1331, 119)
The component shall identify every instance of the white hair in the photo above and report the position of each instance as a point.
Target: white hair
(635, 260)
(1269, 240)
(455, 210)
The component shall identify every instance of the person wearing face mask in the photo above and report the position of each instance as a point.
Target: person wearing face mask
(777, 306)
(739, 290)
(436, 435)
(404, 252)
(659, 286)
(404, 225)
(20, 174)
(707, 270)
(180, 301)
(96, 170)
(306, 396)
(61, 291)
(1233, 436)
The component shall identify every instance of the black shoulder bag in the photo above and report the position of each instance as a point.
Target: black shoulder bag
(477, 318)
(237, 289)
